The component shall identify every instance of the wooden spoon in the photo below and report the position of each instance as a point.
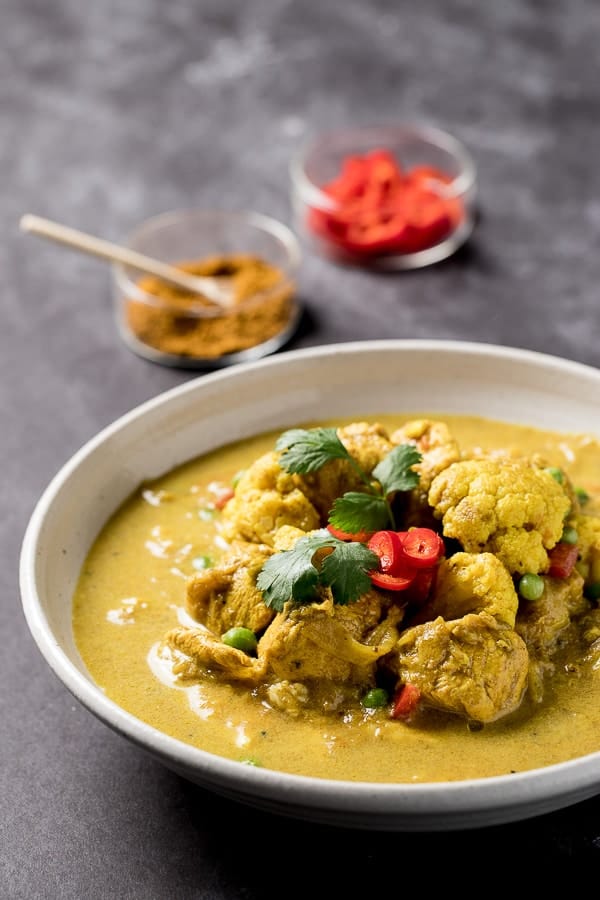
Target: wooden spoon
(213, 289)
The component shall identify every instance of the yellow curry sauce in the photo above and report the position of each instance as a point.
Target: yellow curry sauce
(132, 589)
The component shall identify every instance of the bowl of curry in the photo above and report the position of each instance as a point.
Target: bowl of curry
(369, 603)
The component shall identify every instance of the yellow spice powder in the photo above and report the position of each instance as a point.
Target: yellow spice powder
(187, 324)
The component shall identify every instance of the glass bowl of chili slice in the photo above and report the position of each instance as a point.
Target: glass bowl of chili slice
(390, 196)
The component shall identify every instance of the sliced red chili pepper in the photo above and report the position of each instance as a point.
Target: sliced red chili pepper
(383, 235)
(352, 180)
(421, 588)
(393, 582)
(385, 179)
(360, 536)
(562, 559)
(406, 700)
(388, 547)
(381, 209)
(427, 216)
(422, 547)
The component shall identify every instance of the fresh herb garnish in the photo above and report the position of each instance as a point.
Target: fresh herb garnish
(343, 566)
(293, 575)
(354, 512)
(307, 450)
(395, 472)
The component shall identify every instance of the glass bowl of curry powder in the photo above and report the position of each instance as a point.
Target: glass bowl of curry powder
(254, 256)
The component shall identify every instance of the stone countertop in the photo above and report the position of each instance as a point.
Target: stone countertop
(115, 111)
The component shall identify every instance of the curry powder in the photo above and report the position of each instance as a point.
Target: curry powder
(179, 322)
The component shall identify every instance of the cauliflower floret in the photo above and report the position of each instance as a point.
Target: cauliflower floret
(266, 497)
(473, 583)
(438, 449)
(588, 531)
(436, 444)
(505, 506)
(367, 444)
(286, 536)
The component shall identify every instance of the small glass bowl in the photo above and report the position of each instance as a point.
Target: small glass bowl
(323, 222)
(180, 330)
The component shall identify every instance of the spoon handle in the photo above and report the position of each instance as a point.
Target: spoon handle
(78, 240)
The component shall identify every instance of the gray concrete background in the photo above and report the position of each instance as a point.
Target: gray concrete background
(113, 111)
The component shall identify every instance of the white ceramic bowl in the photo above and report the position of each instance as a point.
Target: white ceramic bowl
(204, 413)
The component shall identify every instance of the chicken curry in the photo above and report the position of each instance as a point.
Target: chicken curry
(395, 600)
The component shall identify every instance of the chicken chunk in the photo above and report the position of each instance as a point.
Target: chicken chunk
(542, 623)
(503, 506)
(329, 642)
(546, 623)
(226, 596)
(367, 444)
(472, 583)
(203, 651)
(590, 634)
(474, 667)
(323, 643)
(266, 498)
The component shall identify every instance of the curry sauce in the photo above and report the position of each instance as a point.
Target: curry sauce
(132, 589)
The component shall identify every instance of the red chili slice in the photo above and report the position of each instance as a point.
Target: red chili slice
(562, 559)
(380, 209)
(406, 700)
(393, 582)
(421, 588)
(422, 547)
(360, 536)
(352, 180)
(388, 547)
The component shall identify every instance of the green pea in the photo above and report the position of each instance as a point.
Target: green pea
(202, 562)
(569, 535)
(241, 639)
(592, 591)
(556, 473)
(375, 698)
(582, 495)
(531, 586)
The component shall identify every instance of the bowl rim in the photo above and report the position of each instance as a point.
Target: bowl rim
(312, 195)
(389, 806)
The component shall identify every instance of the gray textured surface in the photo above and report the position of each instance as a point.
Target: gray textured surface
(112, 111)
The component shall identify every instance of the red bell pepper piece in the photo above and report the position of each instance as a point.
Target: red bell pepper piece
(562, 559)
(406, 700)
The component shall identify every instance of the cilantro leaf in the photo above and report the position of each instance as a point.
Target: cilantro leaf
(292, 575)
(354, 512)
(395, 472)
(345, 571)
(306, 450)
